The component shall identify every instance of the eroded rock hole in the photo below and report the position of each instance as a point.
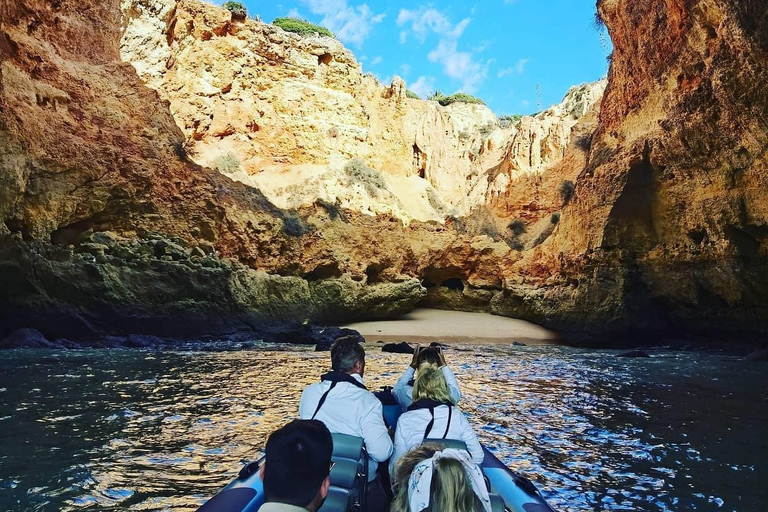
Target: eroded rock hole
(324, 272)
(697, 236)
(325, 59)
(453, 284)
(419, 161)
(374, 273)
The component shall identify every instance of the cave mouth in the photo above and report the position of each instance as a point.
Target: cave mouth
(373, 273)
(453, 284)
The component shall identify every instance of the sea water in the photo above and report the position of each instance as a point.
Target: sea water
(165, 430)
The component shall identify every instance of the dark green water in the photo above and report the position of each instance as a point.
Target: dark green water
(132, 430)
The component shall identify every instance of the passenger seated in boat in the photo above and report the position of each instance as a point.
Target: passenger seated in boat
(297, 467)
(344, 404)
(433, 415)
(403, 390)
(435, 480)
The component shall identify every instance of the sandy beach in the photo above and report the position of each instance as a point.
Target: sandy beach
(428, 325)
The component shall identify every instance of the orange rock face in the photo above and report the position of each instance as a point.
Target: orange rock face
(106, 224)
(667, 229)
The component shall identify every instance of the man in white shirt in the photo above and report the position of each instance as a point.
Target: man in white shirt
(342, 402)
(403, 390)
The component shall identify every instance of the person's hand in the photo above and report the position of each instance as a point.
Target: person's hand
(441, 356)
(415, 357)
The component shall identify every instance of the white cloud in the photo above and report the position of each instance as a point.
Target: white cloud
(294, 13)
(459, 65)
(423, 86)
(376, 60)
(517, 69)
(429, 20)
(350, 23)
(405, 69)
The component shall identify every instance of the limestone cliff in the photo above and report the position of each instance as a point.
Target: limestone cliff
(285, 113)
(113, 221)
(667, 228)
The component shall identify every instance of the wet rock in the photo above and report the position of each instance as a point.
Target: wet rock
(435, 344)
(758, 355)
(27, 338)
(326, 336)
(143, 341)
(519, 344)
(634, 354)
(398, 348)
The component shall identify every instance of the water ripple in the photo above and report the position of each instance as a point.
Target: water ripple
(131, 430)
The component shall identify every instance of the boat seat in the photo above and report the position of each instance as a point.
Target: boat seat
(347, 447)
(497, 503)
(336, 501)
(344, 473)
(448, 443)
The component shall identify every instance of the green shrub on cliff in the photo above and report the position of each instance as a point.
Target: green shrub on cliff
(358, 172)
(516, 227)
(301, 27)
(294, 225)
(459, 97)
(566, 190)
(410, 94)
(509, 120)
(227, 164)
(237, 9)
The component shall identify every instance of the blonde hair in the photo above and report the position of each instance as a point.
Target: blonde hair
(430, 383)
(451, 490)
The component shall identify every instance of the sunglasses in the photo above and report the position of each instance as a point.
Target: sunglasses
(331, 467)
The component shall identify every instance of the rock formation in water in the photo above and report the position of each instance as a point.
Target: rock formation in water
(233, 176)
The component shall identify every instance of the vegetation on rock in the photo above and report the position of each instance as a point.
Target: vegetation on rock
(302, 27)
(509, 120)
(227, 164)
(458, 97)
(566, 190)
(358, 172)
(516, 227)
(410, 94)
(237, 9)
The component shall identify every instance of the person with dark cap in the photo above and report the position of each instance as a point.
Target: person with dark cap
(297, 467)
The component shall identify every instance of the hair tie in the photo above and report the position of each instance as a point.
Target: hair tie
(420, 482)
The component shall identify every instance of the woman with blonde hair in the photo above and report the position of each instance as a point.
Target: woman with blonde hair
(436, 480)
(432, 415)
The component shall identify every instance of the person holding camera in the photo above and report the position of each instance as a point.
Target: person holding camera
(424, 356)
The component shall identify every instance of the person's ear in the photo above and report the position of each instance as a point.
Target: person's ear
(261, 470)
(324, 487)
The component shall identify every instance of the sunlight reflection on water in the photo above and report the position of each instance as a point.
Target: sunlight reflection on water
(131, 430)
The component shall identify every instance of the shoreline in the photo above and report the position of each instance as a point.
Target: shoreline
(423, 326)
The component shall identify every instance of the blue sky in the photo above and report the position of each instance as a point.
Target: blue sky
(498, 50)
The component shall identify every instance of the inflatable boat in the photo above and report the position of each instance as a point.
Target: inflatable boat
(510, 491)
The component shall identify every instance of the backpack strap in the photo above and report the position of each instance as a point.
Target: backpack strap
(322, 398)
(430, 424)
(448, 425)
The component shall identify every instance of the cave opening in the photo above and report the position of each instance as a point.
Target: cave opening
(373, 272)
(454, 284)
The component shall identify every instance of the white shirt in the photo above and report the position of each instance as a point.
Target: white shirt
(404, 393)
(412, 425)
(351, 410)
